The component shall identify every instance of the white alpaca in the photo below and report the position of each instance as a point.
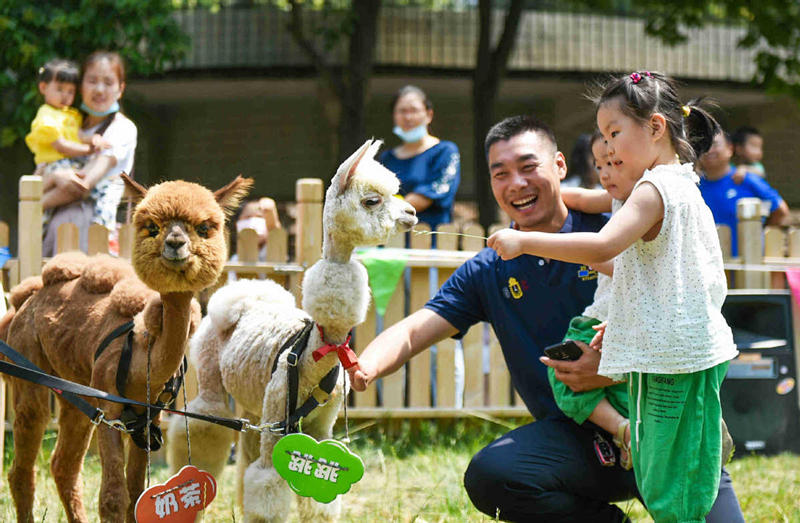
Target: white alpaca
(248, 321)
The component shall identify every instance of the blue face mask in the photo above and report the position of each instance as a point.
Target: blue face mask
(113, 109)
(412, 135)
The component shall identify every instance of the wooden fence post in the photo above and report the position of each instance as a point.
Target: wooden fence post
(308, 238)
(751, 243)
(29, 238)
(774, 247)
(474, 380)
(419, 367)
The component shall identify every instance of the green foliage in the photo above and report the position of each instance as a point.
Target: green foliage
(142, 31)
(772, 29)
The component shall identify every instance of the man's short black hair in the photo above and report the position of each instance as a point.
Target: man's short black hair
(740, 135)
(515, 125)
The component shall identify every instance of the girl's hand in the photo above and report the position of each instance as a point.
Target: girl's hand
(507, 243)
(597, 341)
(739, 174)
(98, 142)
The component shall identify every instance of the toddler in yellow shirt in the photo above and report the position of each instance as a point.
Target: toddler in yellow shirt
(55, 138)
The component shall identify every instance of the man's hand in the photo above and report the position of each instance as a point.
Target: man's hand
(507, 243)
(579, 375)
(359, 377)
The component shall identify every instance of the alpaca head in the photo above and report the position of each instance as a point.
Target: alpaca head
(360, 205)
(180, 242)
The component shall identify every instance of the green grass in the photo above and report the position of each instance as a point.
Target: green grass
(414, 473)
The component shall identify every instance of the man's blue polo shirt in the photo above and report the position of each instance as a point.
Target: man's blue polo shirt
(721, 197)
(529, 302)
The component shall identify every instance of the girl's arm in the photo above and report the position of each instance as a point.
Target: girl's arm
(606, 267)
(592, 201)
(70, 149)
(96, 169)
(643, 210)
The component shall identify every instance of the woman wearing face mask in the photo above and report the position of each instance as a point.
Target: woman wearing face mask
(429, 169)
(96, 190)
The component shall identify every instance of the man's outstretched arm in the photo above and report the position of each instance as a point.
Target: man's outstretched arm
(398, 344)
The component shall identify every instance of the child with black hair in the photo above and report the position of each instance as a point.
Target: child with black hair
(748, 150)
(665, 331)
(54, 138)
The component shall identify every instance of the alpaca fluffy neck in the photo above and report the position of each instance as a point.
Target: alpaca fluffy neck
(336, 250)
(167, 346)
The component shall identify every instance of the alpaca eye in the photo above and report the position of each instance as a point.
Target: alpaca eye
(202, 230)
(371, 201)
(152, 230)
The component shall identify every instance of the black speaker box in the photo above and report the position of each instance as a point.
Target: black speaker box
(759, 394)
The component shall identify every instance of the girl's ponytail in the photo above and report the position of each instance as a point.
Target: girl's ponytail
(700, 127)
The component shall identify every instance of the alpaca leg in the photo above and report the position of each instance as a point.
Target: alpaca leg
(113, 500)
(246, 453)
(31, 412)
(134, 476)
(267, 497)
(210, 443)
(74, 434)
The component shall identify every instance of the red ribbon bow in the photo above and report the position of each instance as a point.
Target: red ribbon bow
(343, 351)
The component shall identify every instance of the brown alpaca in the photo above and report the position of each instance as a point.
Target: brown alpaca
(57, 321)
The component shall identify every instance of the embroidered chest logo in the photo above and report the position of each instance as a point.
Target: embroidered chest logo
(586, 273)
(514, 289)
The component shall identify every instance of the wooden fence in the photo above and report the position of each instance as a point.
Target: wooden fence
(416, 390)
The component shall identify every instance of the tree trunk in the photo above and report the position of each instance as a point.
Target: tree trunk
(490, 67)
(359, 68)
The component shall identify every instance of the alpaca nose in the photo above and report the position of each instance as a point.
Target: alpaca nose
(412, 211)
(176, 243)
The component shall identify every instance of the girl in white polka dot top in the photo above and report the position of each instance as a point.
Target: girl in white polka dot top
(665, 332)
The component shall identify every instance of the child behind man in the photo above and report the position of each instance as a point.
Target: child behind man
(748, 150)
(606, 407)
(55, 139)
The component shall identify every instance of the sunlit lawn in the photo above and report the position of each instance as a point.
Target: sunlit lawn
(414, 473)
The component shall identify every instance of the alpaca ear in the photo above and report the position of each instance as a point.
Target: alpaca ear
(132, 189)
(232, 194)
(348, 168)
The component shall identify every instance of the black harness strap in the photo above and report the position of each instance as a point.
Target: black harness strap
(116, 333)
(79, 403)
(296, 344)
(326, 385)
(299, 337)
(28, 371)
(137, 423)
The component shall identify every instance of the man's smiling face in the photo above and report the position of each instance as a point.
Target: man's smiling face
(526, 172)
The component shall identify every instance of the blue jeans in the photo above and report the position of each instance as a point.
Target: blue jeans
(548, 471)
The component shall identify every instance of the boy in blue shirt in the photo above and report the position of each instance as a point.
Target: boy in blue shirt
(721, 191)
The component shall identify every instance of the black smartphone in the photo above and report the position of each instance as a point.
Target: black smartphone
(566, 350)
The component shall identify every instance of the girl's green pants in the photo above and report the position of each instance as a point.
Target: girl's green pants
(676, 441)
